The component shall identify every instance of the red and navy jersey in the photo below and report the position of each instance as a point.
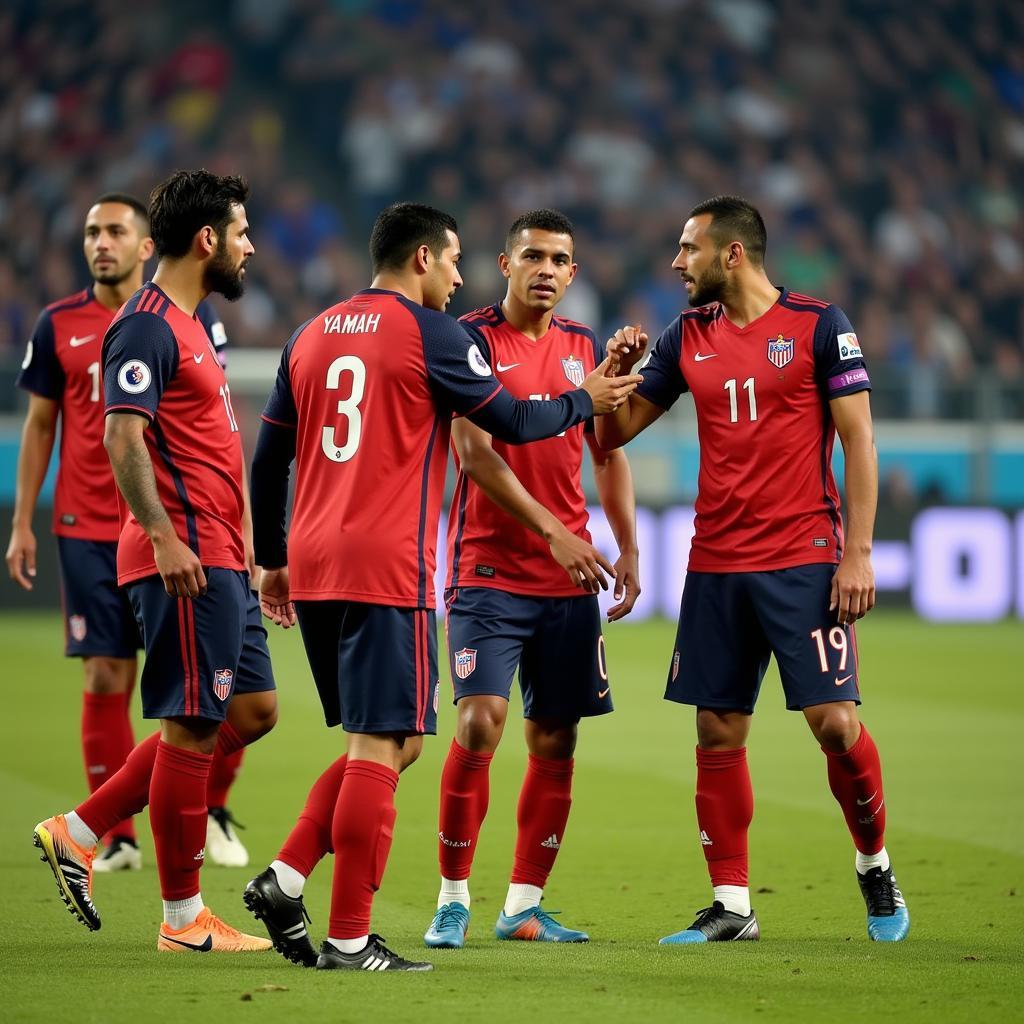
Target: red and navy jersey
(486, 546)
(766, 495)
(371, 385)
(63, 362)
(159, 362)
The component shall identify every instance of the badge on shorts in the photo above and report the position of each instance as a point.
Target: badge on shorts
(675, 666)
(76, 624)
(465, 662)
(437, 694)
(222, 679)
(780, 351)
(574, 371)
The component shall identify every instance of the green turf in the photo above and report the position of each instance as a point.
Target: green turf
(944, 704)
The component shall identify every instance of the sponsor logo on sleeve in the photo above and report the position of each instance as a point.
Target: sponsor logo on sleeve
(849, 347)
(218, 334)
(477, 363)
(134, 377)
(26, 362)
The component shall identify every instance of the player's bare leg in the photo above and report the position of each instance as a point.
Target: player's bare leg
(855, 778)
(107, 740)
(725, 807)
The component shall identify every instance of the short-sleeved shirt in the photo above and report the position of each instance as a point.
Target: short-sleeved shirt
(63, 362)
(160, 363)
(486, 546)
(371, 385)
(766, 494)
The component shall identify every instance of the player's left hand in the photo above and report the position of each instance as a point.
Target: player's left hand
(627, 585)
(275, 601)
(251, 567)
(853, 589)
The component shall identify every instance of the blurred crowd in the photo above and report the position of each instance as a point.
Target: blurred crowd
(883, 141)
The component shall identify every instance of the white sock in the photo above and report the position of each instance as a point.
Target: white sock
(867, 861)
(521, 897)
(180, 914)
(349, 945)
(290, 880)
(735, 898)
(80, 832)
(453, 890)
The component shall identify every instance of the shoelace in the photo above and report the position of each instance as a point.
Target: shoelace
(449, 915)
(215, 924)
(224, 818)
(703, 916)
(881, 895)
(377, 941)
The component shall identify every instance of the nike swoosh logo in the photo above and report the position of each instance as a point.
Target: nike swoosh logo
(502, 369)
(603, 693)
(699, 358)
(198, 358)
(75, 342)
(203, 947)
(864, 803)
(845, 679)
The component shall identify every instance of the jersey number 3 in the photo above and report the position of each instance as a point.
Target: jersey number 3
(347, 407)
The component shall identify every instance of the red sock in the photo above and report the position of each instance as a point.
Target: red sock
(465, 791)
(543, 810)
(725, 808)
(855, 778)
(222, 776)
(106, 743)
(362, 829)
(310, 840)
(177, 815)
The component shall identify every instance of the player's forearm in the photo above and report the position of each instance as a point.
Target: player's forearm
(271, 466)
(33, 460)
(861, 491)
(613, 429)
(133, 473)
(519, 421)
(614, 482)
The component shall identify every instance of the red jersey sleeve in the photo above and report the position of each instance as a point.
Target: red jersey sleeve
(41, 372)
(140, 356)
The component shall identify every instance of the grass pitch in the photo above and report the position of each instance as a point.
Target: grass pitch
(944, 704)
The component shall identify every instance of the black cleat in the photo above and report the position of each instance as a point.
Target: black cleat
(888, 917)
(716, 924)
(283, 916)
(374, 956)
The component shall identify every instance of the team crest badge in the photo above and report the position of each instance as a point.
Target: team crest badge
(222, 679)
(465, 662)
(780, 351)
(675, 666)
(76, 624)
(574, 370)
(437, 694)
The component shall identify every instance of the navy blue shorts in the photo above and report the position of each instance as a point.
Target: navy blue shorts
(731, 623)
(374, 665)
(555, 641)
(98, 620)
(200, 651)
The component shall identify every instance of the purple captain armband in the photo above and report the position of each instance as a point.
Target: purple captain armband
(845, 380)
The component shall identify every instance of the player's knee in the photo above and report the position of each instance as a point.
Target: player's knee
(553, 742)
(412, 747)
(108, 675)
(480, 725)
(835, 726)
(721, 731)
(255, 715)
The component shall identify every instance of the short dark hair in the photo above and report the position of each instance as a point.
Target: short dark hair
(401, 228)
(137, 205)
(188, 201)
(734, 219)
(542, 220)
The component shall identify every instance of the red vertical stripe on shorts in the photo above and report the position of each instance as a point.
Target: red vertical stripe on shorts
(419, 667)
(190, 614)
(186, 661)
(421, 620)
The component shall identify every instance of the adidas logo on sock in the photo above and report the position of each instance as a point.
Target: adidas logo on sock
(201, 855)
(551, 842)
(705, 839)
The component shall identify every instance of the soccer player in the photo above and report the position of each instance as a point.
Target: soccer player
(174, 446)
(774, 376)
(363, 403)
(520, 591)
(63, 375)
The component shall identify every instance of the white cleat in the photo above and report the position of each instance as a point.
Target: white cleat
(121, 855)
(223, 847)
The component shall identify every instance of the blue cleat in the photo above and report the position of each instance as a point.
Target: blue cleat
(888, 917)
(533, 925)
(716, 924)
(449, 927)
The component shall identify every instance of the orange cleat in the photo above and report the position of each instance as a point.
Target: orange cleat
(208, 934)
(71, 865)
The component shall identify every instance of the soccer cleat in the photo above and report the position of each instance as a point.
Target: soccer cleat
(223, 846)
(283, 916)
(374, 956)
(71, 865)
(888, 918)
(534, 925)
(449, 927)
(208, 934)
(716, 924)
(122, 854)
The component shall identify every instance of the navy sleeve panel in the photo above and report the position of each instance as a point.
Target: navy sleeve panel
(208, 316)
(519, 421)
(41, 372)
(599, 354)
(140, 357)
(268, 482)
(839, 366)
(280, 407)
(477, 337)
(663, 379)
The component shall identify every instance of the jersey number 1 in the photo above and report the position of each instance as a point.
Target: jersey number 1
(347, 407)
(748, 386)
